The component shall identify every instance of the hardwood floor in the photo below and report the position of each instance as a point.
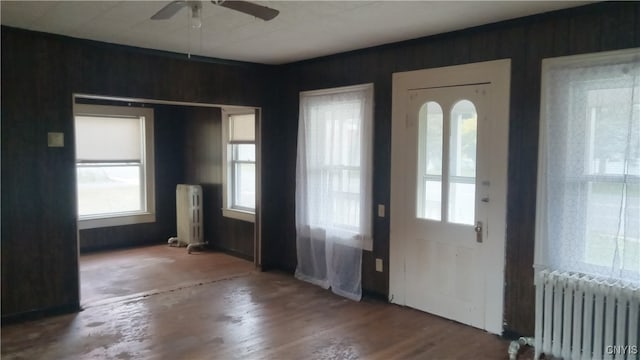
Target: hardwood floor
(113, 275)
(250, 315)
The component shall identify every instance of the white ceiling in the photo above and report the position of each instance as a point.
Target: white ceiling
(302, 30)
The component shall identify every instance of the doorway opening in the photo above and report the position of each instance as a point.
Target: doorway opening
(130, 156)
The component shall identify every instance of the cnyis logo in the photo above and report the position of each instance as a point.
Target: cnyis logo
(622, 350)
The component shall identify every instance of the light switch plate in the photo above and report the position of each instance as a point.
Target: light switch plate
(55, 139)
(381, 210)
(379, 267)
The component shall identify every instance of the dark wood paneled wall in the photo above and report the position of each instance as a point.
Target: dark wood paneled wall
(203, 166)
(202, 163)
(40, 72)
(599, 27)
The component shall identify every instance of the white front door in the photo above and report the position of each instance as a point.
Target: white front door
(449, 194)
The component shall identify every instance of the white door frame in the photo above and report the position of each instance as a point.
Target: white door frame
(498, 74)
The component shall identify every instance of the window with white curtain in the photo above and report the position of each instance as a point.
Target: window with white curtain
(334, 186)
(114, 165)
(588, 217)
(239, 153)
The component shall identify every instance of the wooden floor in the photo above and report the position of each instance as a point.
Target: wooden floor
(244, 315)
(129, 273)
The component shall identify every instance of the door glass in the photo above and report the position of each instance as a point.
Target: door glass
(429, 204)
(462, 163)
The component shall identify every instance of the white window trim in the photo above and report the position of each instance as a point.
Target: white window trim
(126, 218)
(227, 211)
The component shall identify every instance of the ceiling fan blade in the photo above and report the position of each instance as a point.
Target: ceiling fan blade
(169, 10)
(259, 11)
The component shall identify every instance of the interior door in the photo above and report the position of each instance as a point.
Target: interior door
(448, 191)
(446, 231)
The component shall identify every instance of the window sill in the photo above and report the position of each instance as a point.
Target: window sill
(364, 244)
(239, 215)
(117, 220)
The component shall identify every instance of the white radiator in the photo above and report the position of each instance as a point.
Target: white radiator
(189, 216)
(579, 317)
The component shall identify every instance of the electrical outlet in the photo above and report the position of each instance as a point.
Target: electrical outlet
(379, 267)
(381, 210)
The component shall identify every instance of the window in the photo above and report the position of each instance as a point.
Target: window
(334, 172)
(114, 165)
(239, 152)
(459, 186)
(589, 171)
(334, 187)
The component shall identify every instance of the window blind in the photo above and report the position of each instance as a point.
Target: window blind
(115, 139)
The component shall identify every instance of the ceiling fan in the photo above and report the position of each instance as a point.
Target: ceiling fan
(249, 8)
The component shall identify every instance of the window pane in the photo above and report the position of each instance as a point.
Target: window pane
(344, 186)
(608, 232)
(109, 189)
(432, 113)
(433, 200)
(612, 122)
(244, 152)
(462, 203)
(244, 186)
(430, 162)
(462, 163)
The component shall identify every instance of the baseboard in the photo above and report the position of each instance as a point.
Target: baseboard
(39, 314)
(231, 252)
(374, 295)
(109, 247)
(510, 334)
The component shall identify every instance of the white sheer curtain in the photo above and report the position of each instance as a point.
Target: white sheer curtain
(333, 187)
(589, 181)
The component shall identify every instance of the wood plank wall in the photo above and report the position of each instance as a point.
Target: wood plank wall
(39, 74)
(599, 27)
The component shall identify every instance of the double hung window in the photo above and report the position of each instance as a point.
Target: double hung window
(240, 165)
(114, 165)
(334, 171)
(589, 171)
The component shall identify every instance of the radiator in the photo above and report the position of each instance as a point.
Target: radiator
(189, 217)
(580, 317)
